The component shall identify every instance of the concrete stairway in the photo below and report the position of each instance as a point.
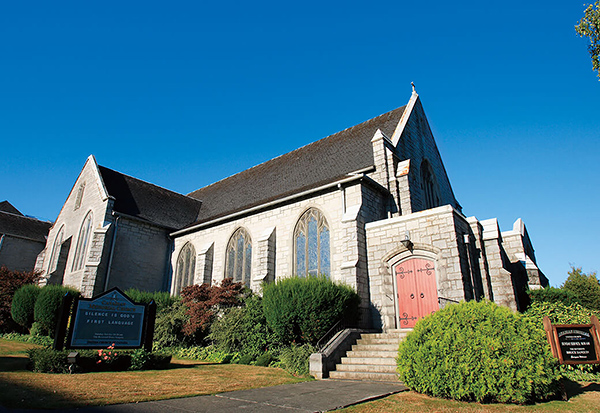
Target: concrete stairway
(373, 357)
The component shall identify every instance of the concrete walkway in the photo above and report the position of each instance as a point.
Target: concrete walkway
(313, 396)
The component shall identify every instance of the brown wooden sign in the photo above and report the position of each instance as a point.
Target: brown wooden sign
(574, 343)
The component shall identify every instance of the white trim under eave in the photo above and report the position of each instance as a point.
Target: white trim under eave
(267, 205)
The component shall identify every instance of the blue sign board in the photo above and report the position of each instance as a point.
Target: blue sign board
(110, 318)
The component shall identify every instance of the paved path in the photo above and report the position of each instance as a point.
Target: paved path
(313, 396)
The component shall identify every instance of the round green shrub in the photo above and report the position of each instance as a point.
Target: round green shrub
(48, 304)
(23, 304)
(168, 328)
(302, 310)
(478, 351)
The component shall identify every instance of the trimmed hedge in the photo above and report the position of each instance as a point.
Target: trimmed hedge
(302, 310)
(48, 304)
(478, 351)
(23, 304)
(10, 282)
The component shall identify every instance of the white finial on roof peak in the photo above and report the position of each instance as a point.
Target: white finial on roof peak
(413, 86)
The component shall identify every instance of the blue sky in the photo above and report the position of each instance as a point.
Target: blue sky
(185, 93)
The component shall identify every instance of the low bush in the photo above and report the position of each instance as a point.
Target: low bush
(10, 282)
(26, 338)
(478, 351)
(208, 353)
(295, 359)
(46, 360)
(302, 310)
(48, 304)
(23, 304)
(265, 360)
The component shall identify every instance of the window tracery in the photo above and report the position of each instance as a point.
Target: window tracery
(239, 257)
(311, 245)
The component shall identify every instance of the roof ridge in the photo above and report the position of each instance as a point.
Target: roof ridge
(25, 216)
(298, 149)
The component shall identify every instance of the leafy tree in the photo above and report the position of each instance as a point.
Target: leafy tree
(585, 286)
(10, 282)
(204, 302)
(589, 26)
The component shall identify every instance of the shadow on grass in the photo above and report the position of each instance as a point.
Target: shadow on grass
(574, 388)
(25, 396)
(14, 363)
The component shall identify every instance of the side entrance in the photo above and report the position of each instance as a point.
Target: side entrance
(416, 290)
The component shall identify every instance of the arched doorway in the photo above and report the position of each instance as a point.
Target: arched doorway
(416, 290)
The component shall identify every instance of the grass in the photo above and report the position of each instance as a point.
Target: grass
(26, 390)
(584, 398)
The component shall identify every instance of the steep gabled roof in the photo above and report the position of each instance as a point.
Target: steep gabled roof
(6, 206)
(149, 202)
(311, 166)
(22, 226)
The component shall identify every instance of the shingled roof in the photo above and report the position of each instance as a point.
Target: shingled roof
(17, 224)
(6, 206)
(149, 202)
(311, 166)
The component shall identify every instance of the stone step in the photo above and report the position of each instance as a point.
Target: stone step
(346, 375)
(371, 340)
(390, 361)
(382, 368)
(373, 354)
(396, 336)
(359, 346)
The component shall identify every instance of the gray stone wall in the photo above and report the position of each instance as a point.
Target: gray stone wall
(19, 254)
(140, 256)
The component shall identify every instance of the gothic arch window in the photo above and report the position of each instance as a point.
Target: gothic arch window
(186, 268)
(82, 242)
(311, 245)
(239, 257)
(56, 250)
(431, 197)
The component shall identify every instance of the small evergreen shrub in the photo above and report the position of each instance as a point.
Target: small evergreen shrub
(245, 359)
(23, 304)
(243, 329)
(265, 360)
(553, 295)
(168, 328)
(10, 282)
(295, 359)
(585, 286)
(48, 304)
(302, 310)
(478, 351)
(37, 330)
(162, 299)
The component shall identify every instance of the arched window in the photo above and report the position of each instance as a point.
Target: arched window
(311, 245)
(186, 268)
(82, 242)
(429, 185)
(239, 257)
(56, 250)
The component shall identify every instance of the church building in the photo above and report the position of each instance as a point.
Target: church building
(370, 206)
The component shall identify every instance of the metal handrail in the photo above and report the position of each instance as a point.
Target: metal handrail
(337, 327)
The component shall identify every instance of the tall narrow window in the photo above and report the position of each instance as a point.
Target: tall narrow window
(311, 245)
(56, 250)
(239, 257)
(82, 242)
(186, 268)
(79, 197)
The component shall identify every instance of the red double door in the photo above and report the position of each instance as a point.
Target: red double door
(417, 290)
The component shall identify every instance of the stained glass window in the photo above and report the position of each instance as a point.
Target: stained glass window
(186, 268)
(239, 257)
(311, 245)
(82, 242)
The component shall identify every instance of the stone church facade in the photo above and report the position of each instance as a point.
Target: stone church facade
(370, 206)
